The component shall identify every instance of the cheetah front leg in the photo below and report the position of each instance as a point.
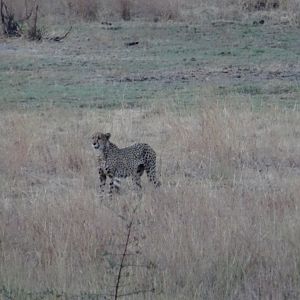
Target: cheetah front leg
(114, 186)
(102, 178)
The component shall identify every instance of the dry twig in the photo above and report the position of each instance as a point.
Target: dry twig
(58, 38)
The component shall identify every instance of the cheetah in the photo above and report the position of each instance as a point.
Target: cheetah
(117, 163)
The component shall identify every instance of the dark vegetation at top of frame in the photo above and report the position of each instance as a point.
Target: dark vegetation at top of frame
(11, 27)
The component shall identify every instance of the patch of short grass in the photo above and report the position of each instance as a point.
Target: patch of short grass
(94, 66)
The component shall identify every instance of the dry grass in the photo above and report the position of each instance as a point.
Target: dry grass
(278, 11)
(87, 9)
(224, 224)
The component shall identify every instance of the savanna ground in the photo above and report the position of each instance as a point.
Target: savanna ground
(218, 101)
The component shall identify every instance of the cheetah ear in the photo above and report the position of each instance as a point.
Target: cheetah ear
(107, 135)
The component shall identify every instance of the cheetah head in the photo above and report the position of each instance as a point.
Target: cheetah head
(99, 140)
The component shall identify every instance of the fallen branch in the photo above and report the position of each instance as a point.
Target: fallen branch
(131, 44)
(58, 38)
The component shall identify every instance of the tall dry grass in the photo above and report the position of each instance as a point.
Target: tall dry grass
(224, 225)
(278, 11)
(92, 10)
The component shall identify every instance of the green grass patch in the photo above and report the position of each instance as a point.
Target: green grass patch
(94, 67)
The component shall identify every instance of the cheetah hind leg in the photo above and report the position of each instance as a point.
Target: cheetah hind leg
(151, 173)
(137, 180)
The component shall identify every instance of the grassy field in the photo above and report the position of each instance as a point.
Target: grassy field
(220, 105)
(173, 61)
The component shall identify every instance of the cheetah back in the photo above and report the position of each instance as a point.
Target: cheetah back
(126, 161)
